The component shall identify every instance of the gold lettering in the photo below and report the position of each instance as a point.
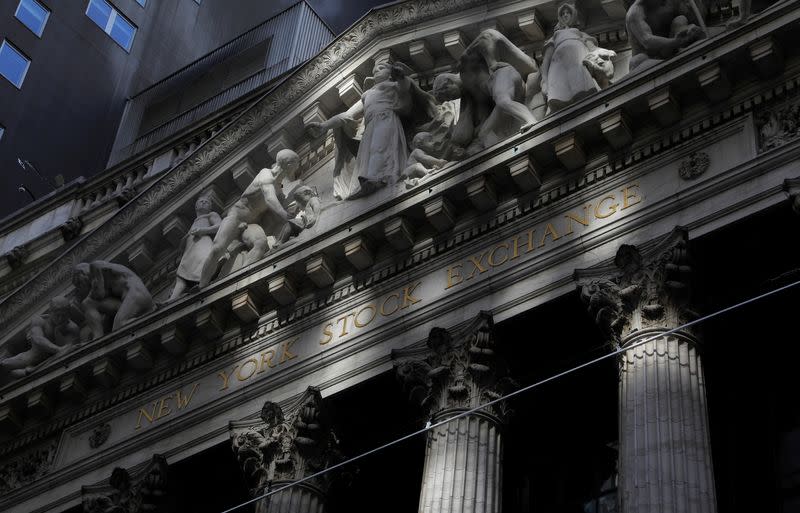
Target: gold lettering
(408, 299)
(344, 324)
(611, 208)
(515, 248)
(491, 260)
(286, 355)
(530, 240)
(182, 400)
(572, 217)
(360, 324)
(627, 195)
(149, 416)
(252, 371)
(451, 276)
(396, 307)
(328, 333)
(163, 407)
(266, 359)
(553, 233)
(476, 265)
(225, 378)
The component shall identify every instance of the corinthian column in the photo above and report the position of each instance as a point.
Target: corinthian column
(664, 451)
(283, 446)
(457, 371)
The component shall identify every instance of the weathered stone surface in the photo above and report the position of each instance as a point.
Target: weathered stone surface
(399, 233)
(440, 214)
(245, 306)
(140, 491)
(357, 251)
(640, 304)
(284, 445)
(320, 270)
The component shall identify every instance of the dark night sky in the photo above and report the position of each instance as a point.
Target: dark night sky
(338, 14)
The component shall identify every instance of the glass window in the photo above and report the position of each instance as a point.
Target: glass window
(13, 64)
(112, 22)
(33, 15)
(2, 132)
(141, 2)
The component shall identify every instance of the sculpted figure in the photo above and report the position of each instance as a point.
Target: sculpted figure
(390, 107)
(49, 334)
(308, 212)
(491, 89)
(197, 246)
(657, 29)
(110, 293)
(573, 66)
(261, 197)
(422, 161)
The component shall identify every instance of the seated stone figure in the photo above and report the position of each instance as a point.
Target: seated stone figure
(491, 89)
(111, 296)
(48, 334)
(308, 211)
(658, 29)
(422, 161)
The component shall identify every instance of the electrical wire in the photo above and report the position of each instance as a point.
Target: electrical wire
(515, 393)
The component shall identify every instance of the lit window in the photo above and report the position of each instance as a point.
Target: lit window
(112, 22)
(141, 2)
(2, 132)
(33, 15)
(197, 2)
(13, 64)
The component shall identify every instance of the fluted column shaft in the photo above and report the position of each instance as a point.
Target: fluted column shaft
(664, 450)
(300, 498)
(457, 372)
(463, 466)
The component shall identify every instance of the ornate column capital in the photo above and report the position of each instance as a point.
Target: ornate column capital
(644, 288)
(143, 490)
(286, 444)
(458, 369)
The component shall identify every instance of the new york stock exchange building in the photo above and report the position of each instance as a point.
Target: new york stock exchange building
(552, 239)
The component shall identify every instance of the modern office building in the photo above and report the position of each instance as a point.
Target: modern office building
(453, 200)
(68, 68)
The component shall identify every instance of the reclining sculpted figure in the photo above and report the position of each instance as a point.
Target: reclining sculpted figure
(658, 29)
(110, 294)
(49, 334)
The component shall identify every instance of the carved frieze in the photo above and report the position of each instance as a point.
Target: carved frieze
(643, 289)
(778, 126)
(71, 228)
(27, 468)
(17, 256)
(459, 369)
(694, 165)
(99, 435)
(142, 491)
(286, 444)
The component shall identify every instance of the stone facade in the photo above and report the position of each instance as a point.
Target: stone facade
(375, 210)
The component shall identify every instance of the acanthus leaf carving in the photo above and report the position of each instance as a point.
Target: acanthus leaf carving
(28, 467)
(142, 491)
(641, 290)
(459, 369)
(286, 444)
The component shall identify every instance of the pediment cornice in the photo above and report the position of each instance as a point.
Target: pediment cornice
(249, 122)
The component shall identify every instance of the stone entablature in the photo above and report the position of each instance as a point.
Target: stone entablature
(477, 168)
(505, 179)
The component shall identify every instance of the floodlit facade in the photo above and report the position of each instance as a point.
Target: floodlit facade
(452, 201)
